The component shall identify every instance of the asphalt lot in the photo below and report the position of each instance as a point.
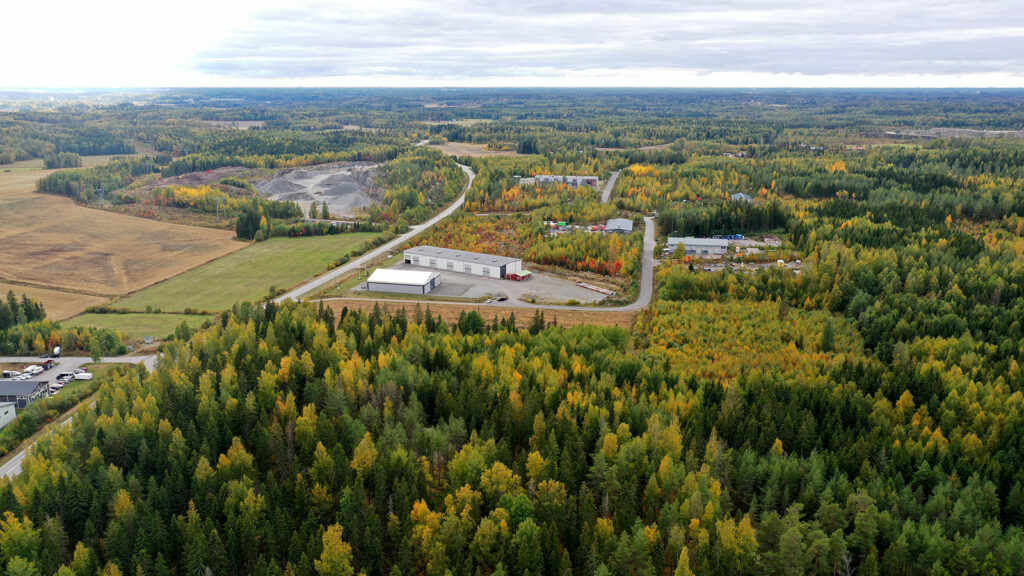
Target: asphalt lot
(543, 288)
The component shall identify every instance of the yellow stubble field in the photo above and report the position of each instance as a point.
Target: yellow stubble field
(76, 257)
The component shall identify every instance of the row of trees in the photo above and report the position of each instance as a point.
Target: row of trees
(41, 336)
(15, 311)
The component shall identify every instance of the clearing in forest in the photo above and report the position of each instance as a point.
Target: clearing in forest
(466, 149)
(348, 188)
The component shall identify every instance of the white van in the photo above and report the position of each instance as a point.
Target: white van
(83, 376)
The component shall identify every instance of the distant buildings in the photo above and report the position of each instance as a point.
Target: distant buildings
(741, 197)
(571, 181)
(462, 261)
(403, 281)
(699, 247)
(619, 226)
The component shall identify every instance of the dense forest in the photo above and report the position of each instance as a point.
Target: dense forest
(859, 414)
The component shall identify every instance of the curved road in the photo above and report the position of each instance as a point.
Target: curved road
(382, 249)
(12, 467)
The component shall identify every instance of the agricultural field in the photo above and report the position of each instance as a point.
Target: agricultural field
(59, 305)
(247, 274)
(137, 326)
(77, 257)
(475, 150)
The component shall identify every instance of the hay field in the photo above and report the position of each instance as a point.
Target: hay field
(50, 242)
(246, 275)
(137, 326)
(59, 305)
(466, 149)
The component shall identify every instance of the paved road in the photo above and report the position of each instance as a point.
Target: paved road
(12, 467)
(383, 249)
(607, 193)
(69, 363)
(642, 301)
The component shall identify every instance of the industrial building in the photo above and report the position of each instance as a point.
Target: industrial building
(699, 247)
(462, 262)
(619, 226)
(403, 281)
(571, 181)
(8, 410)
(23, 392)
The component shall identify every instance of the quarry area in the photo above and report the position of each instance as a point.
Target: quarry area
(347, 187)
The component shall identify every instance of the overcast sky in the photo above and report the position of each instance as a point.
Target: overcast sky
(128, 43)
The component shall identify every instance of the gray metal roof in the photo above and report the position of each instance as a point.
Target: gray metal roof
(461, 255)
(691, 241)
(19, 387)
(619, 224)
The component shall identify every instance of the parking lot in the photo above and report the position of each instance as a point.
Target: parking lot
(542, 288)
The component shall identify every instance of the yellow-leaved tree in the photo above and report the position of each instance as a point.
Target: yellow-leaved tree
(336, 558)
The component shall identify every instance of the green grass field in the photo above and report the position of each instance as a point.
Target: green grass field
(138, 326)
(246, 274)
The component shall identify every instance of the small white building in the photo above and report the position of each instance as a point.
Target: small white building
(699, 247)
(402, 281)
(462, 262)
(8, 410)
(741, 197)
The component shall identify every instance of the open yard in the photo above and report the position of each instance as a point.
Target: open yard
(466, 149)
(541, 289)
(247, 274)
(137, 326)
(50, 242)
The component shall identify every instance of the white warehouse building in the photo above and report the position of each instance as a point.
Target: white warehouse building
(699, 247)
(403, 281)
(463, 262)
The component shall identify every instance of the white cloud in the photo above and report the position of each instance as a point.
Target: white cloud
(523, 43)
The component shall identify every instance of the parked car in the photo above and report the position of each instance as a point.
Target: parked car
(80, 370)
(11, 373)
(502, 298)
(49, 364)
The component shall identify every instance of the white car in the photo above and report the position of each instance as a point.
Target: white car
(80, 370)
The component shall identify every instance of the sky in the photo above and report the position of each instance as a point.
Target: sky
(680, 43)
